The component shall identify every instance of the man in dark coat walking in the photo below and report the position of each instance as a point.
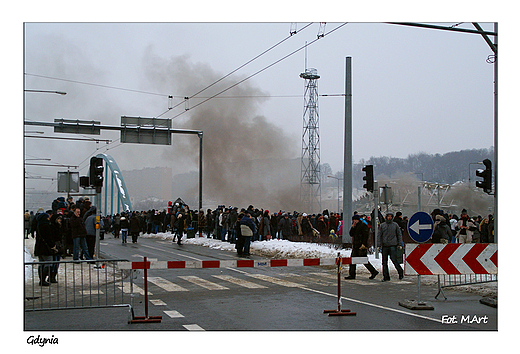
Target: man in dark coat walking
(44, 247)
(359, 233)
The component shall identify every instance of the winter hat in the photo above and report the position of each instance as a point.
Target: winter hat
(356, 217)
(440, 217)
(42, 218)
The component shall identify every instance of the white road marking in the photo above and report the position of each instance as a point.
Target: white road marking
(374, 305)
(88, 292)
(165, 284)
(158, 302)
(173, 314)
(241, 282)
(126, 289)
(203, 282)
(354, 300)
(275, 280)
(193, 327)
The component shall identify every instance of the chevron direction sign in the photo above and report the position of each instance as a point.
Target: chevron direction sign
(451, 258)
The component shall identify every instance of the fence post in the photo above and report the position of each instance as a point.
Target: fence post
(146, 318)
(339, 311)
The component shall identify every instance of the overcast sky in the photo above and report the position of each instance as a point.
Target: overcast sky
(414, 90)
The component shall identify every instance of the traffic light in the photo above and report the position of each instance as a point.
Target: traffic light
(487, 176)
(84, 181)
(369, 178)
(96, 172)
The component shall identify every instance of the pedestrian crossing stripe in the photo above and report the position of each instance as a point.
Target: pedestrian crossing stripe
(173, 314)
(126, 289)
(172, 287)
(241, 282)
(165, 284)
(203, 282)
(93, 292)
(158, 302)
(275, 280)
(193, 327)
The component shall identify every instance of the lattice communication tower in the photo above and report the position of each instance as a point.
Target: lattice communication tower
(310, 185)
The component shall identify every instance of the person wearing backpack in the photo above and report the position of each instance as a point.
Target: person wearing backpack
(247, 229)
(441, 230)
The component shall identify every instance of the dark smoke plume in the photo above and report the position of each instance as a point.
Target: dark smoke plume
(243, 152)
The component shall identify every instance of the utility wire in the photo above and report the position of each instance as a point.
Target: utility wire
(160, 94)
(261, 70)
(232, 72)
(99, 85)
(250, 61)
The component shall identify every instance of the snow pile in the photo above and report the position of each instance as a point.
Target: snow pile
(28, 258)
(272, 248)
(288, 249)
(278, 249)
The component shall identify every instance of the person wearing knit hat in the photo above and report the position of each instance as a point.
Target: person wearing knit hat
(390, 239)
(359, 234)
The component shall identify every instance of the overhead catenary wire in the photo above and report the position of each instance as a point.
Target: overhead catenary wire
(161, 94)
(250, 61)
(261, 70)
(214, 83)
(100, 85)
(186, 99)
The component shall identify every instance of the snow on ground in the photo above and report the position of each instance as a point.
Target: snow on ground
(28, 257)
(283, 249)
(279, 249)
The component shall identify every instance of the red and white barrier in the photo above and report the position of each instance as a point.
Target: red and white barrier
(451, 259)
(241, 263)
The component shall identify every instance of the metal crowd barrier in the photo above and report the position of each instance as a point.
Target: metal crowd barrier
(447, 281)
(79, 284)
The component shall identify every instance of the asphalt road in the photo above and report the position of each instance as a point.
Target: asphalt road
(265, 299)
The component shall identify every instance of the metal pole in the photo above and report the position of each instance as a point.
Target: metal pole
(347, 156)
(200, 182)
(419, 198)
(106, 191)
(145, 289)
(98, 221)
(339, 260)
(376, 216)
(200, 170)
(112, 182)
(496, 132)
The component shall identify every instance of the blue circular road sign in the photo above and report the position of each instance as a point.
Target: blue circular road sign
(420, 227)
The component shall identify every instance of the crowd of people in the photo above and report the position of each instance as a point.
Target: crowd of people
(68, 228)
